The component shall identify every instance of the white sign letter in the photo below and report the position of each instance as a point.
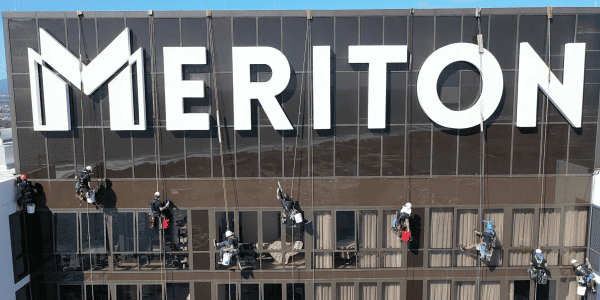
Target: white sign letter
(567, 97)
(322, 87)
(377, 57)
(176, 88)
(491, 90)
(265, 92)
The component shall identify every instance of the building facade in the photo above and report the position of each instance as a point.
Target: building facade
(350, 178)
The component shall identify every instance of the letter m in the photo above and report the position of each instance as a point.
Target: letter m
(53, 101)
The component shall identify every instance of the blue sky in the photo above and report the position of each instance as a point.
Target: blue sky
(72, 5)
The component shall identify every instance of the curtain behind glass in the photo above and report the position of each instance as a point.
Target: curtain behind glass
(322, 291)
(391, 290)
(575, 227)
(390, 238)
(368, 291)
(439, 290)
(367, 235)
(323, 239)
(520, 258)
(568, 255)
(440, 259)
(465, 290)
(441, 228)
(572, 291)
(549, 227)
(490, 290)
(345, 291)
(522, 227)
(468, 219)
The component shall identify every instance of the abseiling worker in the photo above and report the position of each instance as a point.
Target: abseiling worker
(82, 186)
(229, 247)
(586, 272)
(486, 241)
(290, 209)
(402, 216)
(538, 267)
(156, 206)
(25, 189)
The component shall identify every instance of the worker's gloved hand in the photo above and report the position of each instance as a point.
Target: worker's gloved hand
(278, 190)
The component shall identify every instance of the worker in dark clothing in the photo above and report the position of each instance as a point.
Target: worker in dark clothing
(26, 191)
(537, 271)
(585, 272)
(402, 217)
(486, 241)
(157, 209)
(228, 249)
(291, 209)
(82, 186)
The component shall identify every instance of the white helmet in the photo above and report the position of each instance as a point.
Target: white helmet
(574, 261)
(157, 194)
(228, 233)
(538, 251)
(88, 168)
(408, 205)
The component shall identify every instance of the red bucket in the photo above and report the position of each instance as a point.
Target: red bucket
(405, 236)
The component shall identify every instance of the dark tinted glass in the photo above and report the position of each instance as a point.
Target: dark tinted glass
(587, 31)
(532, 29)
(345, 150)
(443, 160)
(140, 38)
(60, 154)
(202, 289)
(193, 32)
(395, 30)
(271, 229)
(144, 157)
(250, 292)
(127, 292)
(247, 152)
(526, 151)
(346, 34)
(272, 291)
(416, 115)
(497, 149)
(296, 291)
(270, 152)
(226, 292)
(222, 38)
(122, 232)
(32, 153)
(369, 151)
(23, 293)
(345, 230)
(396, 98)
(556, 148)
(148, 238)
(172, 153)
(23, 35)
(371, 30)
(108, 30)
(92, 232)
(423, 43)
(301, 152)
(200, 230)
(221, 224)
(23, 106)
(228, 152)
(346, 98)
(470, 29)
(178, 291)
(469, 151)
(100, 292)
(56, 28)
(70, 292)
(244, 32)
(293, 35)
(92, 148)
(65, 225)
(323, 152)
(503, 40)
(419, 149)
(198, 152)
(447, 30)
(269, 32)
(248, 227)
(166, 34)
(118, 154)
(151, 292)
(393, 151)
(470, 85)
(581, 149)
(590, 102)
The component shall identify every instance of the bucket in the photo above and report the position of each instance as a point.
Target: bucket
(30, 208)
(298, 217)
(581, 290)
(91, 199)
(226, 258)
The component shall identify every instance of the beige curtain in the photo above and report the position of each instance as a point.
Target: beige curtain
(439, 290)
(549, 228)
(522, 227)
(391, 290)
(322, 291)
(390, 238)
(441, 228)
(465, 290)
(511, 290)
(323, 239)
(520, 258)
(345, 291)
(571, 293)
(575, 227)
(440, 259)
(391, 259)
(490, 290)
(578, 254)
(367, 238)
(368, 291)
(551, 256)
(496, 215)
(468, 219)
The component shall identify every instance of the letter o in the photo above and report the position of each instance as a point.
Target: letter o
(491, 90)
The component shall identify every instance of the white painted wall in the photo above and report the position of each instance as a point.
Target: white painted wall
(8, 206)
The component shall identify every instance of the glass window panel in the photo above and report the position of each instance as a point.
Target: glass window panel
(227, 136)
(323, 153)
(345, 230)
(295, 291)
(369, 152)
(92, 232)
(20, 268)
(143, 154)
(23, 293)
(391, 259)
(99, 291)
(270, 227)
(202, 289)
(247, 154)
(198, 152)
(393, 151)
(148, 238)
(127, 292)
(250, 292)
(447, 30)
(346, 97)
(200, 230)
(581, 149)
(522, 224)
(390, 238)
(367, 259)
(244, 32)
(176, 236)
(520, 289)
(65, 227)
(193, 32)
(125, 262)
(172, 154)
(99, 262)
(273, 291)
(590, 102)
(226, 292)
(270, 152)
(293, 40)
(391, 290)
(443, 160)
(440, 259)
(151, 262)
(178, 291)
(248, 227)
(367, 290)
(294, 235)
(201, 261)
(177, 261)
(60, 154)
(272, 259)
(70, 292)
(322, 260)
(345, 150)
(423, 46)
(367, 229)
(503, 40)
(301, 153)
(123, 232)
(575, 230)
(221, 224)
(371, 30)
(441, 228)
(32, 153)
(151, 292)
(419, 149)
(68, 262)
(556, 148)
(470, 29)
(497, 149)
(526, 151)
(94, 151)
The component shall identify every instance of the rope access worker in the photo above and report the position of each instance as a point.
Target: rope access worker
(486, 241)
(82, 186)
(402, 217)
(585, 272)
(157, 210)
(228, 249)
(290, 209)
(26, 190)
(537, 271)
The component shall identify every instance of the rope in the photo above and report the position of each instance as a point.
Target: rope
(545, 129)
(90, 249)
(482, 147)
